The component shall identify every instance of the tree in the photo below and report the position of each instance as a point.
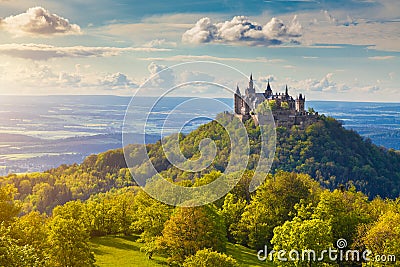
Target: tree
(231, 212)
(308, 238)
(14, 255)
(284, 105)
(344, 211)
(207, 257)
(9, 209)
(68, 242)
(272, 205)
(383, 237)
(149, 219)
(191, 229)
(30, 231)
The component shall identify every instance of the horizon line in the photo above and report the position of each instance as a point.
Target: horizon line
(124, 96)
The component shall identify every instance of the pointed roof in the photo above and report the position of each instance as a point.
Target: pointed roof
(268, 87)
(238, 90)
(286, 91)
(251, 76)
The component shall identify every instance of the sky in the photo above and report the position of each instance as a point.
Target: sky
(346, 50)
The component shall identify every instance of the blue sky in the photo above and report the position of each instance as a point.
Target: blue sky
(328, 50)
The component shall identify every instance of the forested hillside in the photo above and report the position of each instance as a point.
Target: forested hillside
(332, 155)
(47, 219)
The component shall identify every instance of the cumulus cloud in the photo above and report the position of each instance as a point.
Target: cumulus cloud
(117, 80)
(66, 78)
(37, 21)
(35, 77)
(160, 76)
(270, 78)
(330, 18)
(326, 84)
(157, 43)
(241, 29)
(193, 76)
(45, 52)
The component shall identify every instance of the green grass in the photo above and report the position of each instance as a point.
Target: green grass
(124, 251)
(245, 256)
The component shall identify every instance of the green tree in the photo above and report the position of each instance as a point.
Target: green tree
(30, 230)
(383, 237)
(68, 242)
(207, 258)
(345, 211)
(231, 212)
(284, 105)
(14, 255)
(272, 205)
(308, 238)
(149, 219)
(9, 208)
(191, 229)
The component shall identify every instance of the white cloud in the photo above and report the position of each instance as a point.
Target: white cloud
(368, 27)
(330, 17)
(185, 58)
(42, 78)
(270, 78)
(192, 76)
(160, 76)
(45, 52)
(157, 43)
(37, 21)
(117, 80)
(325, 84)
(381, 57)
(241, 29)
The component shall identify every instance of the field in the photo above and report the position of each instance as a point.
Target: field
(123, 251)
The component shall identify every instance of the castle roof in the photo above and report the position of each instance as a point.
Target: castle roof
(268, 87)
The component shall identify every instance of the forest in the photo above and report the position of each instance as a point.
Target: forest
(326, 183)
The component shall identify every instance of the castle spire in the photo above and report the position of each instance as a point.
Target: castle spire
(237, 89)
(251, 89)
(286, 91)
(268, 91)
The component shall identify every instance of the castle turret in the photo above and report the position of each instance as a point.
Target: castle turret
(238, 101)
(286, 92)
(300, 102)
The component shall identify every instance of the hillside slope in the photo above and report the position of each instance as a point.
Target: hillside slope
(332, 155)
(325, 150)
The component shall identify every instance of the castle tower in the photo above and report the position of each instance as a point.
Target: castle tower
(300, 102)
(286, 92)
(246, 112)
(238, 101)
(268, 91)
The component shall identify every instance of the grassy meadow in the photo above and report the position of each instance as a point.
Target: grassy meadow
(124, 251)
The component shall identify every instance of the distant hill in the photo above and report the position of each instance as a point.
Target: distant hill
(17, 138)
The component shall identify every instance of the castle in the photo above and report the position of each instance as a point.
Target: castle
(286, 110)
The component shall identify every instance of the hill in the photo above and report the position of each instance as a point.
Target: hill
(325, 150)
(332, 155)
